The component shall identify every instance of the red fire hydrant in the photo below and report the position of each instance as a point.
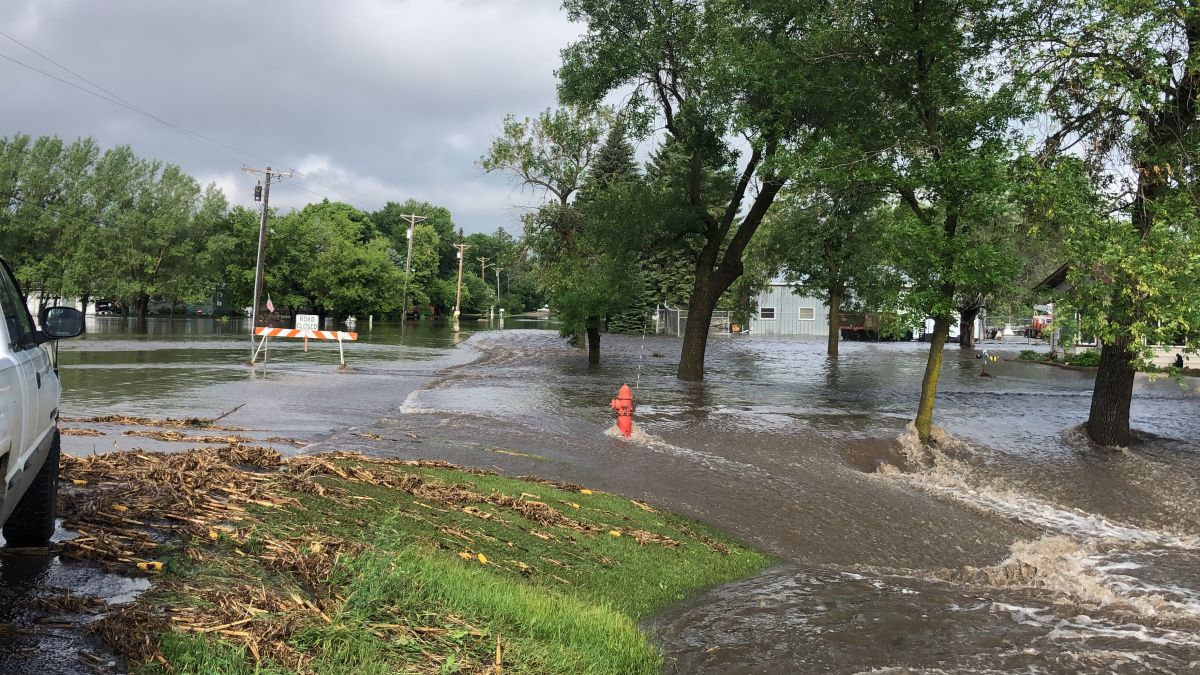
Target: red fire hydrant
(623, 406)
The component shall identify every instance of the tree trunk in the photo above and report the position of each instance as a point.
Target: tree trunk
(835, 320)
(593, 340)
(142, 305)
(1108, 420)
(966, 327)
(695, 332)
(84, 300)
(933, 370)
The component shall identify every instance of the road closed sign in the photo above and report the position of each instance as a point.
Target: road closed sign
(307, 322)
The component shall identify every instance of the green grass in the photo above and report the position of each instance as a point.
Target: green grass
(407, 591)
(1088, 359)
(1033, 355)
(1085, 359)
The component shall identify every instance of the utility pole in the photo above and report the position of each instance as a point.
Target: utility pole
(462, 249)
(267, 173)
(412, 219)
(497, 269)
(482, 269)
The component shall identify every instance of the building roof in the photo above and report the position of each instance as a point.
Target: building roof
(1057, 281)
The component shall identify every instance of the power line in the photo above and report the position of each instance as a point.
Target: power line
(61, 66)
(116, 99)
(29, 151)
(120, 103)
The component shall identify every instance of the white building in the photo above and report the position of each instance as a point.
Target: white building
(782, 312)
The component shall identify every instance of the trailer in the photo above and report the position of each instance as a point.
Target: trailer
(872, 327)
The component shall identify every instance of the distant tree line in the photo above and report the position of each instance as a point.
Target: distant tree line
(84, 223)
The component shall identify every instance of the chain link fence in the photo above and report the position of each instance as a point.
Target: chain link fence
(670, 320)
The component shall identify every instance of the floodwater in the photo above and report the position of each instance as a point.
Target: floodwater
(1012, 547)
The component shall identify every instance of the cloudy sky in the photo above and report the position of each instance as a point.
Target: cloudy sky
(372, 100)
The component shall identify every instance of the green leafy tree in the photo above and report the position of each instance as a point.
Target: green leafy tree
(389, 222)
(34, 222)
(69, 257)
(193, 273)
(1120, 78)
(551, 154)
(931, 116)
(709, 72)
(827, 242)
(612, 229)
(146, 208)
(328, 257)
(233, 250)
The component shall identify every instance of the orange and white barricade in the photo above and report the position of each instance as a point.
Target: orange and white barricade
(338, 335)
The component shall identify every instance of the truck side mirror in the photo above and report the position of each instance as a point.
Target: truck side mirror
(62, 322)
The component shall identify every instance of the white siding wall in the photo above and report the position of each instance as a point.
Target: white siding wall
(789, 308)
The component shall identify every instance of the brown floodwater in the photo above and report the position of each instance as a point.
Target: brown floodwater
(1012, 547)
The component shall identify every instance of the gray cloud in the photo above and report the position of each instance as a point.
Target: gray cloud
(378, 100)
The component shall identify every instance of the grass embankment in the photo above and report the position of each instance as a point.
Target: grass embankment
(1091, 359)
(1084, 359)
(340, 563)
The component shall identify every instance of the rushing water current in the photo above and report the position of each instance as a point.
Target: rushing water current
(1010, 547)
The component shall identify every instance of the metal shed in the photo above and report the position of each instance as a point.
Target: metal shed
(782, 312)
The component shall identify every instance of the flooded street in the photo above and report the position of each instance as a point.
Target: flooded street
(1012, 547)
(198, 367)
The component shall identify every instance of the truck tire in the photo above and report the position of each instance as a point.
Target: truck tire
(32, 521)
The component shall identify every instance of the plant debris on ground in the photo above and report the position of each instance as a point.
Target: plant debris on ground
(339, 562)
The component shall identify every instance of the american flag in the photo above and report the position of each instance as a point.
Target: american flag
(270, 305)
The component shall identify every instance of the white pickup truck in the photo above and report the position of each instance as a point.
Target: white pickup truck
(29, 390)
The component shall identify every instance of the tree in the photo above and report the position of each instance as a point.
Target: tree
(233, 250)
(827, 241)
(710, 71)
(193, 269)
(72, 260)
(931, 117)
(551, 154)
(1025, 237)
(146, 208)
(328, 257)
(388, 221)
(611, 235)
(32, 223)
(1120, 79)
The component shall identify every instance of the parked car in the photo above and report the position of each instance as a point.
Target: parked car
(104, 307)
(29, 392)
